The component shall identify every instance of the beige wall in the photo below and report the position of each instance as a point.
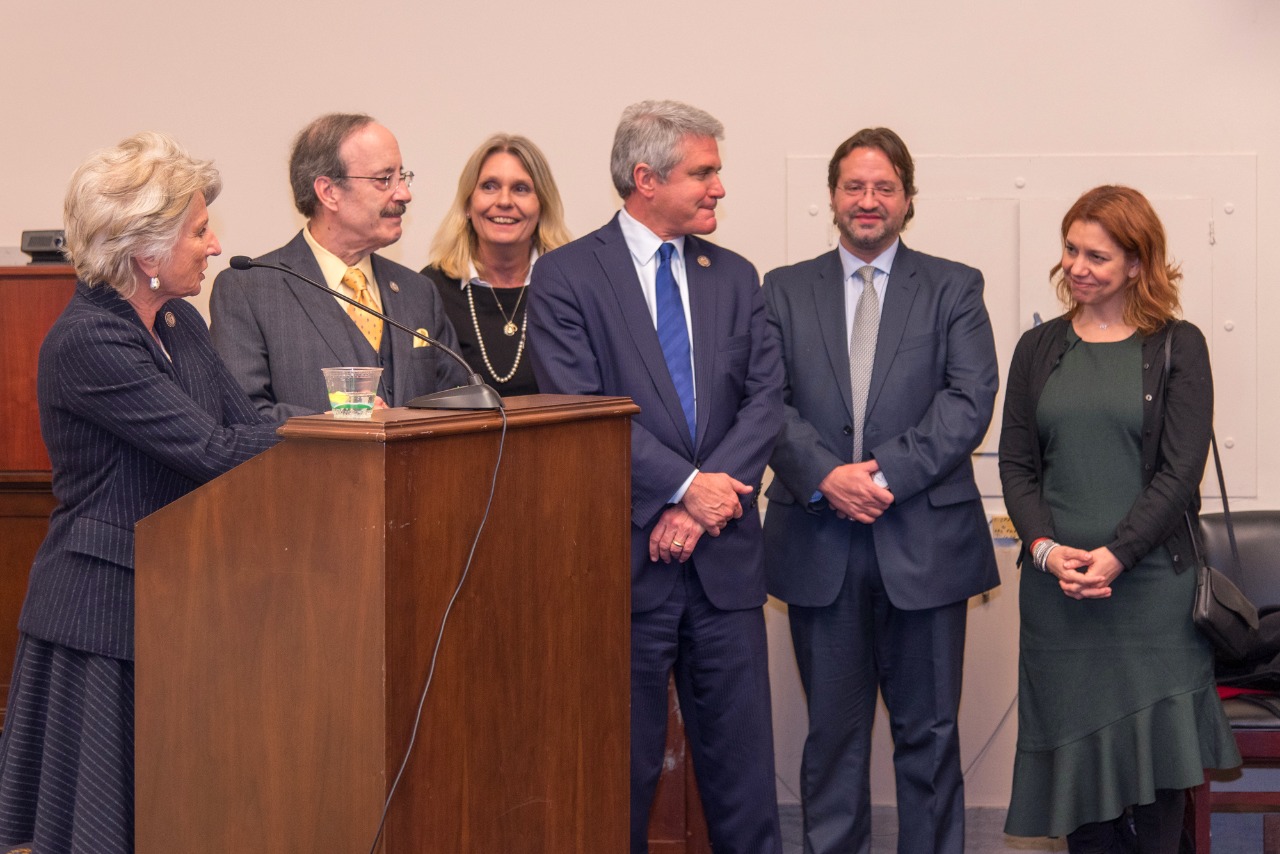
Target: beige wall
(234, 80)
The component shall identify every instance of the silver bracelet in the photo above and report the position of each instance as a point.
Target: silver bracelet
(1041, 556)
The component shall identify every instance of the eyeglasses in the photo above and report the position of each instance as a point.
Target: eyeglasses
(384, 181)
(880, 191)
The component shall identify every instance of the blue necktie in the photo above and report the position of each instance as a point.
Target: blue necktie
(673, 335)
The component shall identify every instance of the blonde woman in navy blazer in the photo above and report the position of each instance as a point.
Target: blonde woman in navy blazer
(136, 410)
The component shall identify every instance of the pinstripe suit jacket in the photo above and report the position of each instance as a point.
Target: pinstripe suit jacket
(590, 332)
(128, 431)
(277, 332)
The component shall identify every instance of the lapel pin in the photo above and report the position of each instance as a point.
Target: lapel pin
(395, 289)
(169, 320)
(704, 261)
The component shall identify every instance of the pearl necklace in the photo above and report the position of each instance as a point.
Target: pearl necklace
(484, 353)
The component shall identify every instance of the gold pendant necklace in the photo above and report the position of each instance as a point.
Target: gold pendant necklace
(484, 352)
(509, 328)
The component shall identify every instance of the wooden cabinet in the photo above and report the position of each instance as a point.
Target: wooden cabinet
(31, 298)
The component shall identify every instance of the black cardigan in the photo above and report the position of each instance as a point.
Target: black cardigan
(1177, 422)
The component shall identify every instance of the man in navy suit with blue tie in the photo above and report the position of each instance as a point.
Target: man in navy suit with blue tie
(644, 308)
(876, 536)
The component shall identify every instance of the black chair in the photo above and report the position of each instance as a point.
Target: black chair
(1256, 729)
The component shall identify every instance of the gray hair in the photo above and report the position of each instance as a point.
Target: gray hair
(130, 202)
(652, 132)
(315, 155)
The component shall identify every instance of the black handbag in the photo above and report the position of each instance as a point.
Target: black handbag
(1224, 615)
(1221, 612)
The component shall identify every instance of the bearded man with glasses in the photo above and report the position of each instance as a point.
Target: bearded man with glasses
(276, 332)
(876, 535)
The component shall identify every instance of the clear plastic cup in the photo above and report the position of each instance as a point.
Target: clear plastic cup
(351, 391)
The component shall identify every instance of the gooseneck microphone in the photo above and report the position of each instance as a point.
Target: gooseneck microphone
(475, 395)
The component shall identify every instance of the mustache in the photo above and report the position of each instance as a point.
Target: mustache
(395, 209)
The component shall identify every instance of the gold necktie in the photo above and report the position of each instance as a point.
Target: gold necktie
(368, 324)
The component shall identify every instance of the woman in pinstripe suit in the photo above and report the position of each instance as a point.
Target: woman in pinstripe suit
(136, 410)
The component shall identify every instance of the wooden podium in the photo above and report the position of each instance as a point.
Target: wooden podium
(287, 613)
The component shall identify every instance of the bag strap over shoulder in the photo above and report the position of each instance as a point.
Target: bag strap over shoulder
(1226, 507)
(1217, 467)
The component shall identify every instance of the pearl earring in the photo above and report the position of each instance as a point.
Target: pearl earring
(155, 283)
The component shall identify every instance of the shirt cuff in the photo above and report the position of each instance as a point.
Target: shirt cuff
(684, 487)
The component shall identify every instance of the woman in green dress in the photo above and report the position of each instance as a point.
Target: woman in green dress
(1108, 413)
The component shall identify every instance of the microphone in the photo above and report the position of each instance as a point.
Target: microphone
(475, 395)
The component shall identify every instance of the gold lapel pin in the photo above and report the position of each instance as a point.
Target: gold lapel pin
(169, 320)
(704, 261)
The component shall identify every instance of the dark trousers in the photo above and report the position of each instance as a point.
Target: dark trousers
(1156, 829)
(721, 665)
(846, 652)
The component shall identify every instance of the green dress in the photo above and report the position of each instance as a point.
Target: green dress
(1116, 696)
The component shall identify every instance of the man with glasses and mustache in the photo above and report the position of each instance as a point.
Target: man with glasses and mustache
(276, 332)
(875, 535)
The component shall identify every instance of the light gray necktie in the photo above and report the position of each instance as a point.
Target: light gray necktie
(862, 353)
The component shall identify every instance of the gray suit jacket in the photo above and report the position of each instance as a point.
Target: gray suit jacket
(276, 333)
(932, 391)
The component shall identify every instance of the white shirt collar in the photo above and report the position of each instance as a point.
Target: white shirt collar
(473, 275)
(850, 263)
(642, 242)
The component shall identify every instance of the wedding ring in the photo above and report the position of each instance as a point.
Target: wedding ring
(676, 545)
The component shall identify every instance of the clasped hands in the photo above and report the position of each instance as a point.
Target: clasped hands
(852, 493)
(1084, 574)
(709, 503)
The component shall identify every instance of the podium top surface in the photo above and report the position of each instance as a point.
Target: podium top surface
(390, 425)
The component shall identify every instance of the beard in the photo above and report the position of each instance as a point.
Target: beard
(877, 238)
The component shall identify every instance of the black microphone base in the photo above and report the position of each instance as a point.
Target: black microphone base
(462, 397)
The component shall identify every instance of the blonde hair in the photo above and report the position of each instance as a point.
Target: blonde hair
(130, 202)
(453, 249)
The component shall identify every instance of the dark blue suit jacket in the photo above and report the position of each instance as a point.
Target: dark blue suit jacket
(591, 332)
(933, 388)
(128, 431)
(276, 333)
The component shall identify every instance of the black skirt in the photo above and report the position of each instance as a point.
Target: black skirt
(66, 755)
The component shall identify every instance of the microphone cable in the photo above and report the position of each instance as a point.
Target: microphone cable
(444, 620)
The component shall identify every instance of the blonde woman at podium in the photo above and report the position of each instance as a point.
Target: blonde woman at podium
(136, 410)
(506, 213)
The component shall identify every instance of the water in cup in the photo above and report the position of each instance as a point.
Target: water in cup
(352, 391)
